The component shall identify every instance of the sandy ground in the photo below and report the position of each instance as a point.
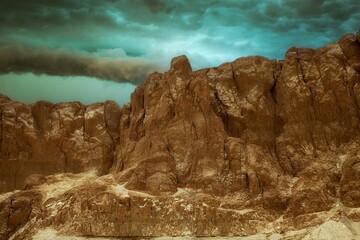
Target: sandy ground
(342, 230)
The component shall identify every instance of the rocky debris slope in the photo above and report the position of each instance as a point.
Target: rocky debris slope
(90, 206)
(252, 146)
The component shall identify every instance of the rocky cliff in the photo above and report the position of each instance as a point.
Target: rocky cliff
(252, 146)
(46, 138)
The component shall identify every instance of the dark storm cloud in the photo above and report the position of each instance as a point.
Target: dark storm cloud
(291, 15)
(184, 15)
(208, 31)
(21, 59)
(123, 40)
(47, 15)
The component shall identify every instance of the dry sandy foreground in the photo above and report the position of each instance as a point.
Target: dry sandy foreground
(344, 229)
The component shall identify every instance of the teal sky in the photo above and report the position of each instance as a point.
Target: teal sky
(30, 88)
(70, 45)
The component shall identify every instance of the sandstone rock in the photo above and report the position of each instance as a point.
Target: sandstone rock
(180, 65)
(34, 180)
(255, 145)
(350, 181)
(17, 210)
(47, 138)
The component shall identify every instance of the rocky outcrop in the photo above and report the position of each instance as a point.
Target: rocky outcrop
(252, 125)
(17, 210)
(255, 145)
(46, 138)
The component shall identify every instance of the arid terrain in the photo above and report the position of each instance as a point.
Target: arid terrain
(252, 149)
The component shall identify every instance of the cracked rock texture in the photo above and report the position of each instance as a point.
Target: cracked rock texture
(252, 146)
(46, 138)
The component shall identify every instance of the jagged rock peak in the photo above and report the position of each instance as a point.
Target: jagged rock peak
(181, 64)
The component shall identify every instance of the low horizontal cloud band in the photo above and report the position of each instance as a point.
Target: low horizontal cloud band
(60, 62)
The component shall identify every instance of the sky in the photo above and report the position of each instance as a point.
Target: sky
(91, 51)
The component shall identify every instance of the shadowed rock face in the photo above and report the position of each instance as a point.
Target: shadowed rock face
(228, 149)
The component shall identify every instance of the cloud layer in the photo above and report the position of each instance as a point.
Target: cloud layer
(124, 40)
(20, 59)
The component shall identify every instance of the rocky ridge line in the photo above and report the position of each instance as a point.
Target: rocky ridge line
(255, 145)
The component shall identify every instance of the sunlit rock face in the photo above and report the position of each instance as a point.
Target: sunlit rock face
(252, 146)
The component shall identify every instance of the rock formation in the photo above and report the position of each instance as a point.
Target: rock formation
(252, 146)
(46, 138)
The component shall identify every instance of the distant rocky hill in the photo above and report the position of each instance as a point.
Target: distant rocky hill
(254, 146)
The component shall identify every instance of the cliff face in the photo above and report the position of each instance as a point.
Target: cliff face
(255, 145)
(46, 138)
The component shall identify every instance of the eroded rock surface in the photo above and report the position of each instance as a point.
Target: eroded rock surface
(252, 146)
(46, 138)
